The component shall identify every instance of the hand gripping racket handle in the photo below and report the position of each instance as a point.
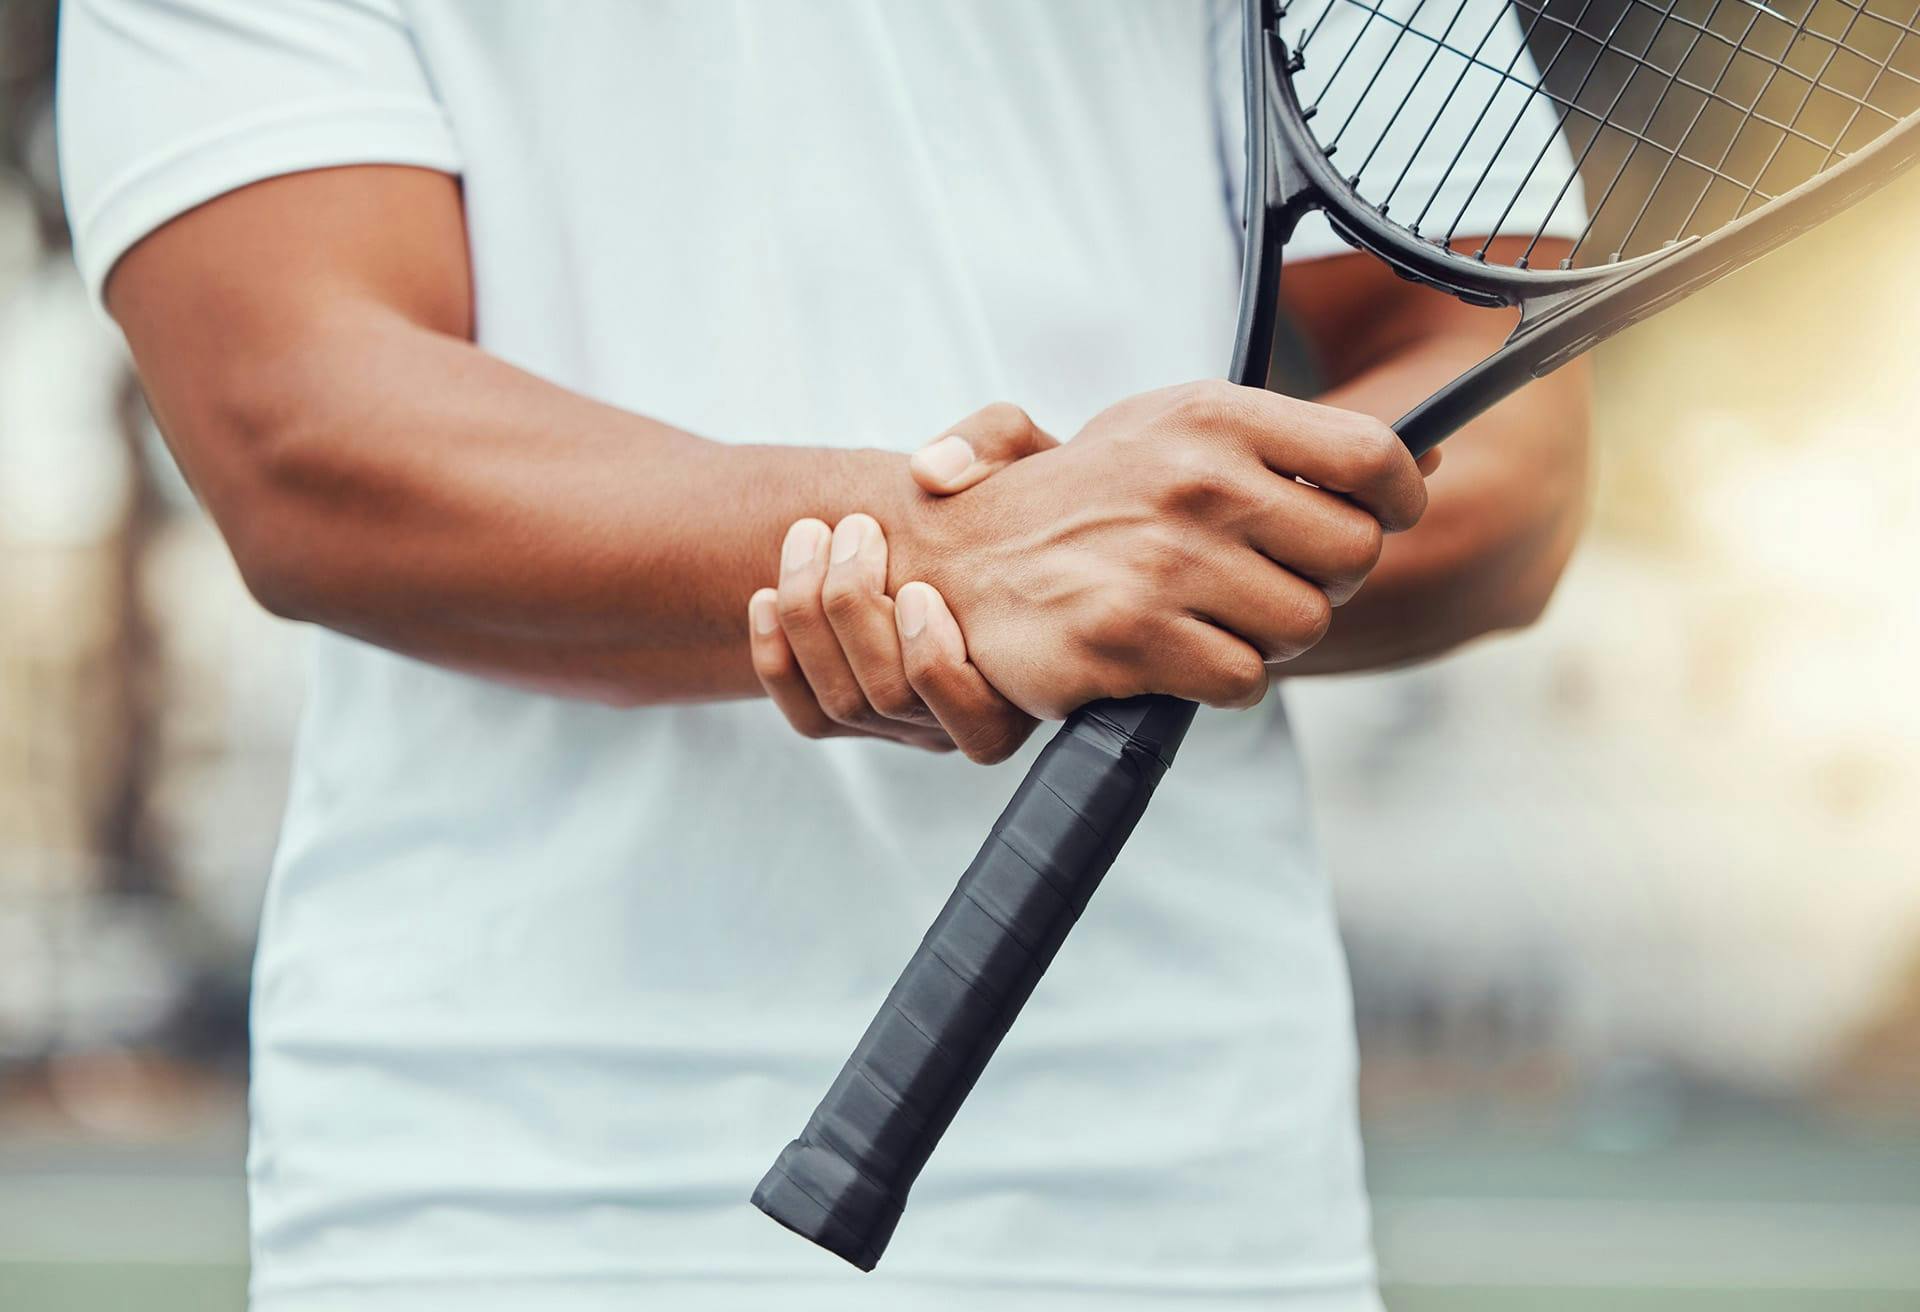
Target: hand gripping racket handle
(843, 1182)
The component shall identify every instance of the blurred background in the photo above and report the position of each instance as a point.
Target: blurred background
(1633, 899)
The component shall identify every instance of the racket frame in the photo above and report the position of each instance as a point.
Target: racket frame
(1563, 312)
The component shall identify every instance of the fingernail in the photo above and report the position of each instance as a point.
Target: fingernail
(911, 607)
(947, 458)
(804, 541)
(848, 537)
(764, 611)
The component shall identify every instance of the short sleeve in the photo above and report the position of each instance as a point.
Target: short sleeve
(1398, 95)
(165, 104)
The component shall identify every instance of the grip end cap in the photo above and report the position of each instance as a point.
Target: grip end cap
(816, 1194)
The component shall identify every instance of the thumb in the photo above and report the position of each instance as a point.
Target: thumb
(976, 448)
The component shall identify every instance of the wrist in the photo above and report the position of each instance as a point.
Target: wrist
(865, 480)
(916, 523)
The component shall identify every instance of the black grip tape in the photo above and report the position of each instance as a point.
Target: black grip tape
(843, 1182)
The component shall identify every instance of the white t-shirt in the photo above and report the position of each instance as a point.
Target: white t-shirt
(543, 986)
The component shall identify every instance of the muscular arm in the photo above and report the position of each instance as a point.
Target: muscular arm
(305, 344)
(1507, 503)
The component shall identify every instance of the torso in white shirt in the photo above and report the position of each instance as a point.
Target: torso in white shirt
(543, 986)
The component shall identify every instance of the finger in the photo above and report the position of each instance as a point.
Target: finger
(861, 614)
(1214, 667)
(803, 573)
(984, 725)
(1270, 609)
(1340, 450)
(1429, 462)
(786, 685)
(1195, 658)
(976, 448)
(1317, 535)
(779, 673)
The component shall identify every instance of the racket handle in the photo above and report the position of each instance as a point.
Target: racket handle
(843, 1182)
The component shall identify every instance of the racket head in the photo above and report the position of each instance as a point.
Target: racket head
(1645, 146)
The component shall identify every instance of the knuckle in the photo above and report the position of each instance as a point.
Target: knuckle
(894, 700)
(799, 611)
(993, 747)
(1311, 617)
(1195, 479)
(921, 663)
(1208, 404)
(1418, 506)
(1241, 679)
(842, 599)
(1216, 392)
(1111, 625)
(1005, 423)
(1366, 539)
(845, 706)
(1375, 451)
(1008, 416)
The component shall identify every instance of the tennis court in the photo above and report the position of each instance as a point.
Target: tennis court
(1759, 1213)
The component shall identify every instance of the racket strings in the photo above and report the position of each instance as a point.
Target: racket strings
(1673, 117)
(1594, 139)
(1666, 165)
(1547, 145)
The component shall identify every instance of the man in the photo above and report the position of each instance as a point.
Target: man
(506, 345)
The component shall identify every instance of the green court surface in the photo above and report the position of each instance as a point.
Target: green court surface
(1737, 1216)
(111, 1287)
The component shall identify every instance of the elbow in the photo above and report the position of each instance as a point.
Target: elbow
(1561, 502)
(267, 492)
(279, 543)
(1524, 605)
(1498, 596)
(1511, 581)
(1537, 566)
(279, 579)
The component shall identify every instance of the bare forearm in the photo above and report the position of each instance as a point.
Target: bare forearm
(1507, 507)
(409, 489)
(307, 345)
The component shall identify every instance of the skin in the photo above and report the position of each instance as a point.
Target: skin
(839, 657)
(306, 345)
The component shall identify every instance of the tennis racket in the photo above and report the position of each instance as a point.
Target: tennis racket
(1703, 133)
